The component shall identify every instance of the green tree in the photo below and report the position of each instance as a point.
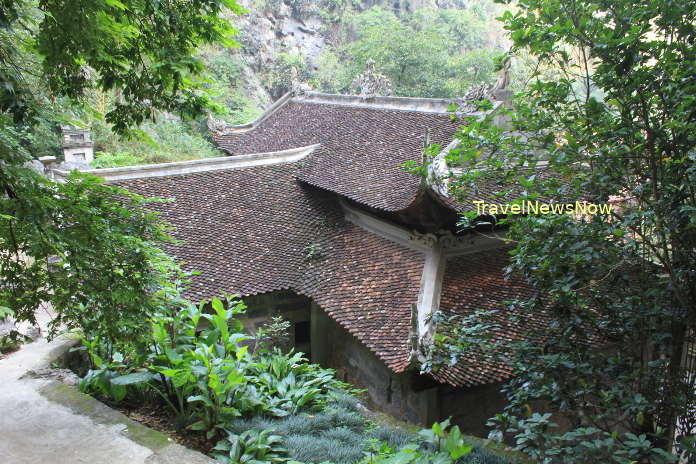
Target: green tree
(411, 59)
(91, 250)
(615, 120)
(431, 53)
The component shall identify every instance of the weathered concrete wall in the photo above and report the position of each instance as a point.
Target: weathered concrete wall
(333, 346)
(470, 408)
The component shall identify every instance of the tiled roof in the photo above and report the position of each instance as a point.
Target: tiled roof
(260, 229)
(256, 230)
(362, 152)
(245, 229)
(476, 282)
(368, 284)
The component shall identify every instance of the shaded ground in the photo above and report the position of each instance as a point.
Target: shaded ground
(157, 417)
(45, 421)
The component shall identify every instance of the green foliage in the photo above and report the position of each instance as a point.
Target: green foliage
(166, 140)
(431, 53)
(288, 69)
(131, 46)
(224, 84)
(288, 384)
(274, 334)
(99, 378)
(91, 250)
(202, 371)
(449, 442)
(252, 447)
(335, 433)
(440, 444)
(606, 113)
(11, 340)
(198, 363)
(114, 160)
(52, 253)
(265, 406)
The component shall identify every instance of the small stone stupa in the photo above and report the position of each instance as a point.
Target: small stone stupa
(78, 149)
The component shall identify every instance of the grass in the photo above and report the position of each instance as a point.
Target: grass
(340, 434)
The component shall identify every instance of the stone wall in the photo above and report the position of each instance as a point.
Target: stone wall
(407, 396)
(395, 394)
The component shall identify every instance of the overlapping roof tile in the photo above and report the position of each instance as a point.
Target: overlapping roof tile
(256, 230)
(476, 282)
(363, 150)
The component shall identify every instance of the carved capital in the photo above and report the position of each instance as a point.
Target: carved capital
(443, 239)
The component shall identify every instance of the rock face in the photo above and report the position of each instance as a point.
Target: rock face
(283, 40)
(273, 29)
(270, 29)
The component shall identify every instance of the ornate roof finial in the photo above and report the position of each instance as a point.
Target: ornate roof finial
(217, 127)
(297, 87)
(503, 75)
(498, 91)
(371, 83)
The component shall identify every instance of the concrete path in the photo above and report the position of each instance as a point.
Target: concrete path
(48, 422)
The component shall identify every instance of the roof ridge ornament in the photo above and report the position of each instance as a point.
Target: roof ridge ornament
(498, 91)
(217, 127)
(371, 83)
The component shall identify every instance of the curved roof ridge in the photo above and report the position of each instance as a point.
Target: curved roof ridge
(200, 165)
(241, 128)
(380, 102)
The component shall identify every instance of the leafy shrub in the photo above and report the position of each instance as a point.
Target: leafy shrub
(207, 368)
(344, 401)
(305, 424)
(333, 434)
(394, 437)
(208, 379)
(114, 160)
(11, 340)
(439, 446)
(274, 334)
(161, 141)
(99, 378)
(340, 435)
(288, 384)
(450, 442)
(250, 447)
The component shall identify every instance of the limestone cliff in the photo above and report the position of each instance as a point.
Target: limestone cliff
(272, 32)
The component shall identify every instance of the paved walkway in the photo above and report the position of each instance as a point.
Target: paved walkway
(46, 422)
